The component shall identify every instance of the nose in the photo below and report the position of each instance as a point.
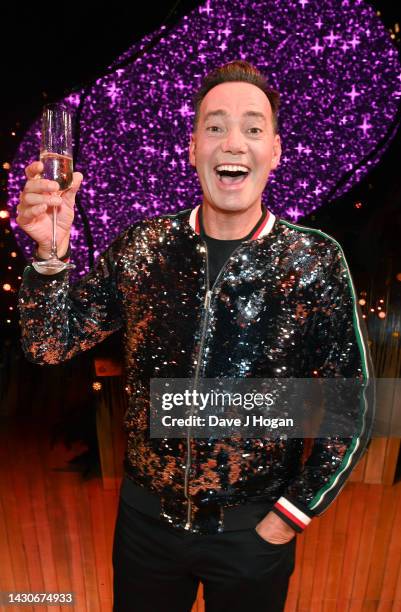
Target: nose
(234, 142)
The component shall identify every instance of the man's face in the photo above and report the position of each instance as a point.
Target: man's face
(235, 128)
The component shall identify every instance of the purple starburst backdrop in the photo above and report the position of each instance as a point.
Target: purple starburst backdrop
(333, 62)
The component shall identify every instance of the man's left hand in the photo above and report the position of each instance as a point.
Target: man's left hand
(273, 529)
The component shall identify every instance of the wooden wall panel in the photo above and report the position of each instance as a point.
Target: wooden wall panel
(56, 533)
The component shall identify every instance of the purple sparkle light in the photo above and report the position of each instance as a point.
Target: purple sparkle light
(333, 62)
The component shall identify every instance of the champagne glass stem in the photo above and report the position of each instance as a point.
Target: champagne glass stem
(53, 252)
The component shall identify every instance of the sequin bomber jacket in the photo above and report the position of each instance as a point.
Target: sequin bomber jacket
(283, 305)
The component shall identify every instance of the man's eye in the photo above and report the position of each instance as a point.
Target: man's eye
(255, 130)
(213, 128)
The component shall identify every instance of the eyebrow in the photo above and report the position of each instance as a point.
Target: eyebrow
(222, 113)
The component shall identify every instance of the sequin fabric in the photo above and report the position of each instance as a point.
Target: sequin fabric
(282, 306)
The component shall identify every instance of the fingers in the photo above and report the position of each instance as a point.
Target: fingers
(33, 204)
(32, 198)
(38, 185)
(77, 178)
(35, 183)
(26, 215)
(34, 169)
(42, 192)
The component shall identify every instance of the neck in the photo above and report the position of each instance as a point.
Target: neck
(229, 225)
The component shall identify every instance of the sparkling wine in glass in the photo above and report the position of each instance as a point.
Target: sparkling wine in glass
(56, 156)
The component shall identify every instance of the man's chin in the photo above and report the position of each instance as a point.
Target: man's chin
(230, 205)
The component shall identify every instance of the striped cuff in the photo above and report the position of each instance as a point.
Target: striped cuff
(291, 514)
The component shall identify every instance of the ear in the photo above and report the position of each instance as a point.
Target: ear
(276, 152)
(192, 158)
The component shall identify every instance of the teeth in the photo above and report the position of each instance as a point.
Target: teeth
(232, 168)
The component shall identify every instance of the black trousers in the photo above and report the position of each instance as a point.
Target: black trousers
(157, 568)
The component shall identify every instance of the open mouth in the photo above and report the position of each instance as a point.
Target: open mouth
(232, 176)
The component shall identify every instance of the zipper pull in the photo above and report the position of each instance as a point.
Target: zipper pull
(207, 298)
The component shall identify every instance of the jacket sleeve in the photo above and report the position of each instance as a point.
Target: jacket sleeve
(59, 320)
(335, 340)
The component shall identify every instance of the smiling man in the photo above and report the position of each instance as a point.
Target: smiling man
(223, 290)
(234, 147)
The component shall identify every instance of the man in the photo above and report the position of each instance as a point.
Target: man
(225, 290)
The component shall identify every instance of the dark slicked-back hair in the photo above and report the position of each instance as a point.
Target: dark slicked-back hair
(235, 71)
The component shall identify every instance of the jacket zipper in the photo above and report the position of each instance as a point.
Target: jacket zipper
(206, 306)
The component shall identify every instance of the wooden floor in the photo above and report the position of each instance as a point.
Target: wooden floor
(56, 531)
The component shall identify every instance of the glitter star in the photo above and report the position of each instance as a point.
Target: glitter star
(353, 94)
(206, 9)
(332, 38)
(105, 217)
(354, 42)
(185, 110)
(365, 126)
(294, 213)
(112, 92)
(149, 149)
(226, 31)
(317, 48)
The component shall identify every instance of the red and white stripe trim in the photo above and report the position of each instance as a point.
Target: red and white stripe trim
(292, 512)
(263, 230)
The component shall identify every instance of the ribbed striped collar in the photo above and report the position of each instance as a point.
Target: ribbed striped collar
(264, 229)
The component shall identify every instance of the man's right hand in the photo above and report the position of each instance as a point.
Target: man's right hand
(35, 209)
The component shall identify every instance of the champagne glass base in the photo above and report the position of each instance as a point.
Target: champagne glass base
(52, 265)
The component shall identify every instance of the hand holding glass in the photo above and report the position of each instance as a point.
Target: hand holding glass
(56, 156)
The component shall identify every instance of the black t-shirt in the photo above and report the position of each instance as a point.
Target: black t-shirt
(220, 250)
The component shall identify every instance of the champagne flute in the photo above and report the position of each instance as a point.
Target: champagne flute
(56, 156)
